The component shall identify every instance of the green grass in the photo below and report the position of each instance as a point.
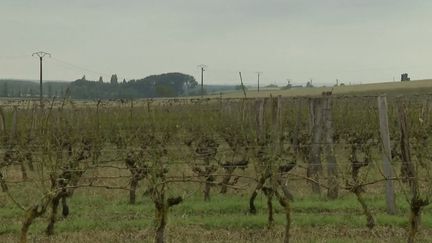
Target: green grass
(225, 218)
(223, 212)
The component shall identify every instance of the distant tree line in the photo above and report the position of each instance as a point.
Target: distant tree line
(163, 85)
(24, 88)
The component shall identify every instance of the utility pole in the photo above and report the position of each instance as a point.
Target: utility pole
(203, 67)
(41, 56)
(258, 73)
(242, 85)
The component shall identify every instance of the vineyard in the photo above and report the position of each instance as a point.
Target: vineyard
(279, 169)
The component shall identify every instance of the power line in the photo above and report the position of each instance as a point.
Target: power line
(14, 57)
(80, 67)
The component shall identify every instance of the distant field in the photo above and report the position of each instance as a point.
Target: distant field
(387, 88)
(390, 88)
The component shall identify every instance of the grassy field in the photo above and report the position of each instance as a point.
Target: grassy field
(225, 219)
(389, 88)
(100, 215)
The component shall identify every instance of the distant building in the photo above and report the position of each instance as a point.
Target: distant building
(404, 77)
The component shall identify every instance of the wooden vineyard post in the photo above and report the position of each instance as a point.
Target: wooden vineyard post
(220, 101)
(148, 105)
(259, 106)
(386, 154)
(276, 179)
(296, 134)
(407, 170)
(2, 122)
(410, 176)
(13, 132)
(260, 119)
(276, 121)
(332, 192)
(311, 115)
(243, 110)
(315, 167)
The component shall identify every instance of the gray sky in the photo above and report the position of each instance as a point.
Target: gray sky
(352, 40)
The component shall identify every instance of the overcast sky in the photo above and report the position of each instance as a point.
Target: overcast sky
(350, 40)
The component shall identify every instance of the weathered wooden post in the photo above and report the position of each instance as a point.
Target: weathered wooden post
(148, 105)
(259, 118)
(296, 133)
(276, 179)
(315, 167)
(333, 189)
(3, 184)
(407, 170)
(386, 155)
(276, 122)
(2, 122)
(243, 110)
(13, 132)
(259, 105)
(409, 175)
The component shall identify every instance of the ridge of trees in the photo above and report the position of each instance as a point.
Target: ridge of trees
(162, 85)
